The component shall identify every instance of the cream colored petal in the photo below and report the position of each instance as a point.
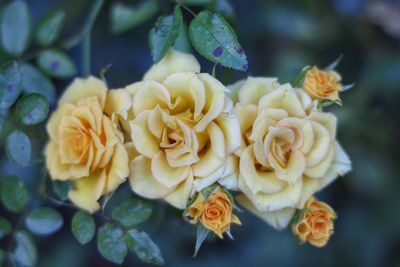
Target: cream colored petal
(288, 197)
(150, 95)
(145, 143)
(310, 187)
(81, 88)
(119, 169)
(86, 191)
(256, 87)
(230, 127)
(55, 119)
(215, 100)
(230, 177)
(257, 181)
(340, 166)
(215, 156)
(328, 120)
(305, 131)
(83, 169)
(158, 120)
(319, 171)
(180, 196)
(283, 97)
(142, 180)
(305, 100)
(233, 90)
(189, 87)
(57, 170)
(322, 142)
(203, 182)
(246, 114)
(95, 113)
(278, 219)
(118, 101)
(165, 174)
(174, 61)
(131, 150)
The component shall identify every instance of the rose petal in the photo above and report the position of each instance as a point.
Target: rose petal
(165, 174)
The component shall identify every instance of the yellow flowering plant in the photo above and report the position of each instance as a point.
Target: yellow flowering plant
(178, 136)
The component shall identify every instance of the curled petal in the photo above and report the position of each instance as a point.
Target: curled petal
(119, 101)
(254, 88)
(145, 143)
(165, 174)
(180, 196)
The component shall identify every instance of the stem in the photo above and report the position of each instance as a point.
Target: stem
(188, 10)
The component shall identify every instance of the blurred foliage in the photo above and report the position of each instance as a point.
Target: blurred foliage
(280, 38)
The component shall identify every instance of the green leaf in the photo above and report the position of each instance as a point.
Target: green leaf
(197, 2)
(62, 188)
(56, 63)
(83, 227)
(14, 194)
(132, 212)
(202, 234)
(25, 253)
(144, 247)
(206, 192)
(223, 7)
(182, 42)
(18, 147)
(164, 34)
(298, 214)
(44, 221)
(5, 227)
(125, 17)
(10, 84)
(3, 256)
(34, 81)
(49, 27)
(214, 39)
(299, 79)
(15, 28)
(111, 243)
(32, 109)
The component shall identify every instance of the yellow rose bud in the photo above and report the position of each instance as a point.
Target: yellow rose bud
(316, 223)
(85, 145)
(320, 84)
(215, 213)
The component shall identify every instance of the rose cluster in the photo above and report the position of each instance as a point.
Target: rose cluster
(182, 136)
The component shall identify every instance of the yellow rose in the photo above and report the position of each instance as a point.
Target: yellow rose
(288, 149)
(321, 84)
(215, 213)
(316, 223)
(85, 147)
(184, 129)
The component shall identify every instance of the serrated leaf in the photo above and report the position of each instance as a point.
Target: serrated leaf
(10, 84)
(141, 244)
(34, 81)
(32, 109)
(125, 17)
(83, 227)
(299, 79)
(18, 147)
(202, 234)
(111, 243)
(15, 27)
(5, 227)
(44, 221)
(214, 39)
(164, 34)
(56, 63)
(25, 253)
(132, 212)
(62, 188)
(49, 27)
(14, 194)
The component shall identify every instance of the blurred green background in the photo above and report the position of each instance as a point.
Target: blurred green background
(279, 38)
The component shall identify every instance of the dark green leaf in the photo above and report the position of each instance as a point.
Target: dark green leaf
(62, 188)
(14, 193)
(214, 38)
(202, 234)
(32, 109)
(125, 17)
(144, 247)
(298, 214)
(164, 34)
(18, 147)
(3, 116)
(206, 192)
(10, 84)
(25, 253)
(49, 27)
(16, 27)
(44, 221)
(299, 79)
(111, 243)
(182, 43)
(83, 227)
(34, 81)
(56, 64)
(5, 227)
(3, 256)
(132, 212)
